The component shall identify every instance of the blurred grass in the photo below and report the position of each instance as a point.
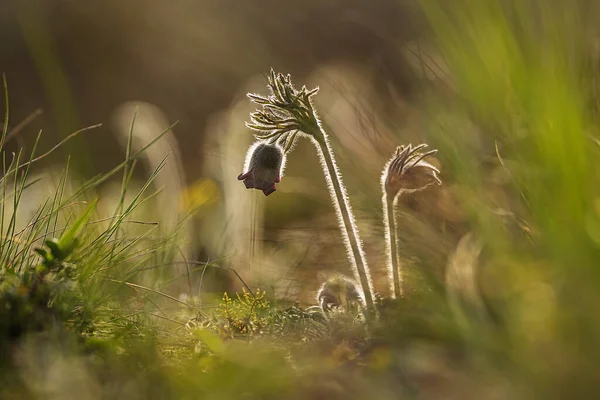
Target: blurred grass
(522, 72)
(56, 85)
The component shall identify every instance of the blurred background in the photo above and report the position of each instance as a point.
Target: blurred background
(507, 90)
(383, 82)
(72, 64)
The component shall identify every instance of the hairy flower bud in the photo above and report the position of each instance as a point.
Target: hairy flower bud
(263, 167)
(339, 292)
(407, 171)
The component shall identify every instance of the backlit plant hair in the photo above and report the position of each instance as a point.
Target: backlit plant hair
(287, 113)
(340, 292)
(406, 172)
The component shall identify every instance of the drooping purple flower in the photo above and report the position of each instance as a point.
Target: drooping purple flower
(263, 167)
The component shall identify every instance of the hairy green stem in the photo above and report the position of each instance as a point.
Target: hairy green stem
(391, 230)
(344, 213)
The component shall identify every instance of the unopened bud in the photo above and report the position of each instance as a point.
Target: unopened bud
(408, 171)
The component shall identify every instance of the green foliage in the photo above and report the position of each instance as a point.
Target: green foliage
(60, 249)
(247, 313)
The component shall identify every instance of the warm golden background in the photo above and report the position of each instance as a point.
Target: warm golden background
(83, 63)
(507, 90)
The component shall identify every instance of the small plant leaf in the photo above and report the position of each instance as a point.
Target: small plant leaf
(68, 241)
(55, 249)
(42, 253)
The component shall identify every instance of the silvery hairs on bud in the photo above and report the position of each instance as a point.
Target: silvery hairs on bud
(340, 292)
(406, 172)
(263, 167)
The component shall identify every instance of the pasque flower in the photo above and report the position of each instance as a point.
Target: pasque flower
(263, 167)
(406, 172)
(287, 113)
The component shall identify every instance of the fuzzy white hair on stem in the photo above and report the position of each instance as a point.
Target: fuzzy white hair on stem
(287, 113)
(406, 172)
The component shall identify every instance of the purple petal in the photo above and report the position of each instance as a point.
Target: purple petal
(269, 190)
(248, 180)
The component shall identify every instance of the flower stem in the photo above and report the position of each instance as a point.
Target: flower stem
(346, 221)
(391, 231)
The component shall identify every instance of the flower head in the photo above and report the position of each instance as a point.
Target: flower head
(263, 167)
(285, 114)
(408, 171)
